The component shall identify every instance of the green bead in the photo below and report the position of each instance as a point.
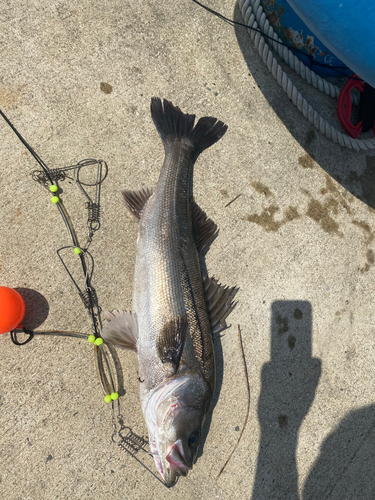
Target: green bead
(99, 341)
(91, 338)
(107, 398)
(55, 199)
(53, 188)
(77, 250)
(114, 396)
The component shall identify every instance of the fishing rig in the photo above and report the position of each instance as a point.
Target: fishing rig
(97, 171)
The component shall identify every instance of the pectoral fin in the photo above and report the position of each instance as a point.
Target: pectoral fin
(136, 200)
(219, 301)
(121, 331)
(170, 341)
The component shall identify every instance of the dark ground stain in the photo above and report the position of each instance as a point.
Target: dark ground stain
(369, 237)
(282, 324)
(350, 353)
(136, 70)
(106, 87)
(370, 261)
(291, 341)
(321, 212)
(224, 192)
(290, 214)
(10, 96)
(50, 457)
(267, 221)
(297, 314)
(283, 421)
(237, 428)
(341, 196)
(16, 217)
(306, 161)
(261, 188)
(366, 181)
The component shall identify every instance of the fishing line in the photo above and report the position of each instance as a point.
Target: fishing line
(248, 402)
(310, 57)
(31, 333)
(27, 146)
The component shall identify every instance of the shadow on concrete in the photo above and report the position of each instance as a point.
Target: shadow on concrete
(37, 308)
(340, 163)
(345, 468)
(289, 382)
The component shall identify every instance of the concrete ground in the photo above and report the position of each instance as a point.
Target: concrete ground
(76, 80)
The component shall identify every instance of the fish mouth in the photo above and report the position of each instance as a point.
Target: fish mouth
(177, 463)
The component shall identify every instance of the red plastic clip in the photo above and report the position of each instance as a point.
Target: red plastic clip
(344, 106)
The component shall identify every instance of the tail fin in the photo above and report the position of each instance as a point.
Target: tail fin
(171, 123)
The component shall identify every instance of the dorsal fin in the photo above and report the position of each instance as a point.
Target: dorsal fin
(136, 200)
(171, 339)
(205, 229)
(219, 301)
(121, 331)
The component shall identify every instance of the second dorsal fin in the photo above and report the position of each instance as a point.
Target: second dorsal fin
(219, 302)
(136, 200)
(205, 229)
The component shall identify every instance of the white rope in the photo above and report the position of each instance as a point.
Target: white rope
(254, 16)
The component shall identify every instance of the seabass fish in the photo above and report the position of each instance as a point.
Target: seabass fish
(175, 309)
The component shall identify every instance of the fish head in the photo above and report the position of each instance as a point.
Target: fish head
(179, 412)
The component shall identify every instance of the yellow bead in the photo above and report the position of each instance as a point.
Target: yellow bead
(114, 396)
(107, 398)
(53, 188)
(98, 341)
(77, 250)
(91, 338)
(55, 199)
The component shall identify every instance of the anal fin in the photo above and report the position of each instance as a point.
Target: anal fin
(121, 331)
(219, 302)
(136, 200)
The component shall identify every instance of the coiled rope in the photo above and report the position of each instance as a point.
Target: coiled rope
(255, 17)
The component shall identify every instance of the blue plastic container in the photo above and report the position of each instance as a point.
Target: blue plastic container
(294, 32)
(347, 28)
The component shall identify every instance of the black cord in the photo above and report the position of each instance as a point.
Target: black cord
(13, 336)
(27, 146)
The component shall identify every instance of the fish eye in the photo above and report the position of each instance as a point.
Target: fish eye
(194, 439)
